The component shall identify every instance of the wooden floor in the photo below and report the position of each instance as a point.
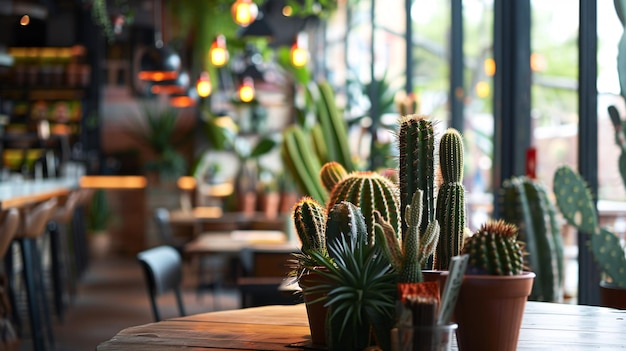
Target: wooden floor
(112, 296)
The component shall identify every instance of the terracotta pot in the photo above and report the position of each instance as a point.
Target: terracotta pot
(316, 312)
(489, 311)
(612, 296)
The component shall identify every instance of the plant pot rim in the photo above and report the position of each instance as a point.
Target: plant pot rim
(523, 275)
(610, 285)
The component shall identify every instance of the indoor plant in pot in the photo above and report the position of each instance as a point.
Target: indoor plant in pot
(576, 204)
(494, 291)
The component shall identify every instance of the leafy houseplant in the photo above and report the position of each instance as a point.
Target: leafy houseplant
(340, 271)
(576, 204)
(159, 135)
(493, 294)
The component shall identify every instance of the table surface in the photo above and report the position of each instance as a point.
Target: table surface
(27, 192)
(236, 240)
(546, 326)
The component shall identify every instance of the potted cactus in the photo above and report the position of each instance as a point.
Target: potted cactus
(399, 219)
(494, 291)
(576, 204)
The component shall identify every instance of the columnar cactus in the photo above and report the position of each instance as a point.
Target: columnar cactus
(371, 192)
(346, 220)
(409, 253)
(494, 250)
(525, 202)
(450, 199)
(416, 142)
(577, 206)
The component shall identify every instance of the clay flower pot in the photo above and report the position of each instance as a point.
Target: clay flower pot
(612, 296)
(489, 311)
(316, 312)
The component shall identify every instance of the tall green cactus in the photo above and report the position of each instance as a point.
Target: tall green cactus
(408, 254)
(494, 250)
(577, 206)
(450, 199)
(371, 192)
(525, 203)
(416, 142)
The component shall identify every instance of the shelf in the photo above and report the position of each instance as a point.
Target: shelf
(53, 93)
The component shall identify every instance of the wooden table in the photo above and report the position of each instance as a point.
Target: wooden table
(28, 192)
(546, 326)
(234, 241)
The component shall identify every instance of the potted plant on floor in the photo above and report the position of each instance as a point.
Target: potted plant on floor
(576, 204)
(494, 291)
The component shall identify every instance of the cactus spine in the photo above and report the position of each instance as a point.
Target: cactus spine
(494, 250)
(525, 203)
(577, 206)
(450, 199)
(416, 143)
(408, 254)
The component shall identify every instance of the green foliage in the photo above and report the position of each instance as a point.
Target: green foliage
(99, 211)
(525, 203)
(359, 287)
(157, 131)
(577, 206)
(494, 250)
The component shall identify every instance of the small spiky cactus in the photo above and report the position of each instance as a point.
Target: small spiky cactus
(525, 203)
(408, 254)
(331, 174)
(345, 221)
(577, 206)
(370, 192)
(494, 250)
(450, 199)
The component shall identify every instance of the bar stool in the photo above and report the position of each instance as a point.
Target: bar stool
(61, 261)
(33, 226)
(79, 232)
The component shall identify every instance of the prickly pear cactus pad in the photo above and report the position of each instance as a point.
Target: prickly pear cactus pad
(494, 250)
(610, 256)
(574, 200)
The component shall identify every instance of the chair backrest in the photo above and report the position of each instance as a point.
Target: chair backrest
(8, 228)
(162, 220)
(37, 218)
(162, 267)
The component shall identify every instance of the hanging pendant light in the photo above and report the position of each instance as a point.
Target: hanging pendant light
(246, 90)
(159, 63)
(218, 55)
(299, 56)
(172, 86)
(244, 12)
(203, 85)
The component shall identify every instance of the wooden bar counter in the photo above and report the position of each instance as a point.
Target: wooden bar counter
(546, 326)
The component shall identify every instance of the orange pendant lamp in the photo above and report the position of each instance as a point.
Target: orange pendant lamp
(246, 90)
(159, 62)
(244, 12)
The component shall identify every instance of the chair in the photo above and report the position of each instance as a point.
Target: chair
(162, 267)
(34, 226)
(263, 272)
(162, 220)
